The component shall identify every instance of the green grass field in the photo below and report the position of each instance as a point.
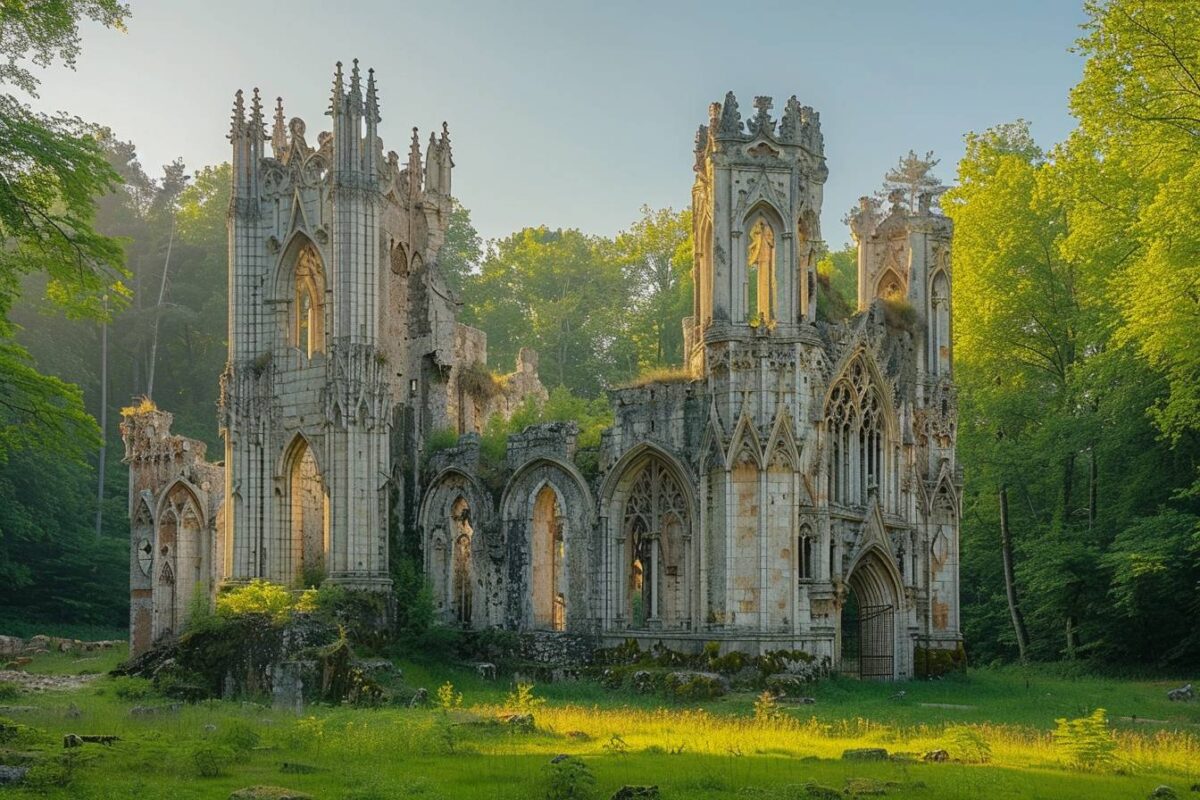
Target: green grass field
(712, 750)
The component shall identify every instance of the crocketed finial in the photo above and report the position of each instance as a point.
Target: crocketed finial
(238, 125)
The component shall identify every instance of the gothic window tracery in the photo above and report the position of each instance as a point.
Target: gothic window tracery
(855, 423)
(308, 324)
(654, 521)
(804, 566)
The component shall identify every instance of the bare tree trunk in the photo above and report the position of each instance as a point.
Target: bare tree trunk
(1010, 586)
(103, 422)
(162, 291)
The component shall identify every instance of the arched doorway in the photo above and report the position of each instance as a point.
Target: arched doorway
(308, 512)
(869, 620)
(548, 540)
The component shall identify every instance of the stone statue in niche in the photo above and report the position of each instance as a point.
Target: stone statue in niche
(760, 262)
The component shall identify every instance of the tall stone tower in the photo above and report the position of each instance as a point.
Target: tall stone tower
(322, 336)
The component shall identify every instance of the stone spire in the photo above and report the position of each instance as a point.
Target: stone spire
(373, 146)
(355, 96)
(279, 140)
(339, 92)
(415, 172)
(256, 117)
(238, 126)
(731, 118)
(372, 98)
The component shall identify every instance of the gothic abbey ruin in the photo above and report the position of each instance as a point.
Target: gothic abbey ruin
(795, 487)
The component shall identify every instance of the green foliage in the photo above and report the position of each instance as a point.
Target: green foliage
(447, 698)
(9, 691)
(1086, 742)
(934, 662)
(522, 698)
(128, 687)
(257, 597)
(460, 254)
(441, 439)
(569, 778)
(837, 283)
(210, 761)
(968, 744)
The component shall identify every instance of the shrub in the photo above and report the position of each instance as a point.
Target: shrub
(210, 760)
(129, 688)
(257, 597)
(239, 739)
(9, 690)
(12, 731)
(569, 779)
(522, 698)
(933, 662)
(766, 709)
(448, 698)
(693, 686)
(441, 439)
(1086, 742)
(967, 744)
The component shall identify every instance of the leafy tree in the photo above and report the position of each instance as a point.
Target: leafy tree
(462, 250)
(560, 292)
(656, 252)
(913, 175)
(1136, 155)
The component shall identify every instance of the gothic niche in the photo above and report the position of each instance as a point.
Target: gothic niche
(761, 289)
(654, 522)
(549, 562)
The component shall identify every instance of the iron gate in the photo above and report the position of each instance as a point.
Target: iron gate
(869, 643)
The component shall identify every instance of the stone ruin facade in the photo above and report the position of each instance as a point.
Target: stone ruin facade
(795, 487)
(344, 355)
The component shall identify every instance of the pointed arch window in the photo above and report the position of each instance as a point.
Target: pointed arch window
(655, 522)
(308, 323)
(855, 424)
(804, 554)
(939, 333)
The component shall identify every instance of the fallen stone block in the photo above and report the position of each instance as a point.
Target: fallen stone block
(295, 768)
(12, 775)
(636, 793)
(268, 793)
(865, 754)
(78, 740)
(936, 756)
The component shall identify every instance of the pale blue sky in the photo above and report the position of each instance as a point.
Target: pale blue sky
(574, 114)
